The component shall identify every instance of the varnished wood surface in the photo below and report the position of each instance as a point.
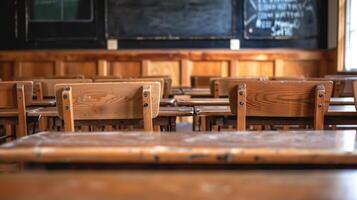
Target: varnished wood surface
(44, 103)
(225, 101)
(168, 102)
(334, 110)
(110, 100)
(342, 101)
(163, 112)
(133, 55)
(197, 92)
(295, 147)
(153, 185)
(203, 101)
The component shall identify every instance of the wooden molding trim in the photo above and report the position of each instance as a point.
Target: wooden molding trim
(341, 35)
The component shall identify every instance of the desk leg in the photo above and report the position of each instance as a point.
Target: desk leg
(203, 124)
(42, 124)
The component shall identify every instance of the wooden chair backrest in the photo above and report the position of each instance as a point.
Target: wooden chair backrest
(167, 84)
(108, 101)
(220, 86)
(201, 81)
(8, 93)
(342, 84)
(160, 80)
(17, 95)
(281, 99)
(45, 88)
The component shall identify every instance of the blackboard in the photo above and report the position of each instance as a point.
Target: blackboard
(169, 19)
(280, 19)
(60, 10)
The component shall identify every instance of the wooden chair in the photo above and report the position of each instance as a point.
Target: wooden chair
(342, 85)
(280, 99)
(167, 85)
(219, 86)
(108, 101)
(15, 96)
(160, 80)
(45, 88)
(201, 81)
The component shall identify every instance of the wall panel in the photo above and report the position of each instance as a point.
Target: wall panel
(125, 69)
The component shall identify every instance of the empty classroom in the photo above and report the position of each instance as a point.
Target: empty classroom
(178, 99)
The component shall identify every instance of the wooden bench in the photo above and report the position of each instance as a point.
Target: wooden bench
(355, 92)
(108, 101)
(280, 99)
(15, 96)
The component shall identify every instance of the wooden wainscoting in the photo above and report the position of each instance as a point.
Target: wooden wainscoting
(179, 64)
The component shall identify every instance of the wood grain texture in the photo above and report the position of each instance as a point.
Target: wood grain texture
(166, 68)
(109, 100)
(195, 185)
(293, 147)
(280, 98)
(125, 69)
(160, 80)
(8, 93)
(220, 86)
(48, 85)
(180, 63)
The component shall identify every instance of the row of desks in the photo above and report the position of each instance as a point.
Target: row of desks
(340, 112)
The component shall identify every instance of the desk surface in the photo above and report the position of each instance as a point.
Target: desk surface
(296, 147)
(334, 110)
(269, 185)
(163, 112)
(225, 101)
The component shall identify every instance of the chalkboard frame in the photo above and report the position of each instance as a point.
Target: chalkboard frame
(168, 38)
(62, 21)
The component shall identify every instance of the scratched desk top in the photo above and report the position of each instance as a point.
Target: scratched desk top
(299, 147)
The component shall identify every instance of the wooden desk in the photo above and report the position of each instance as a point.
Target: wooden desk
(299, 147)
(203, 102)
(336, 115)
(167, 116)
(225, 101)
(167, 102)
(342, 101)
(44, 103)
(154, 185)
(52, 103)
(197, 92)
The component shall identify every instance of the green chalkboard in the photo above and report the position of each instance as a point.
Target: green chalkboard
(60, 10)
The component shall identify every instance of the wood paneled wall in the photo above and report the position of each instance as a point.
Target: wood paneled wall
(179, 64)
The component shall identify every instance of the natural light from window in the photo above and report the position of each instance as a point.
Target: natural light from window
(351, 36)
